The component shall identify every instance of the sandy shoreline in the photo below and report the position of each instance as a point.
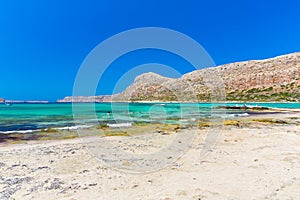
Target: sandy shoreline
(258, 160)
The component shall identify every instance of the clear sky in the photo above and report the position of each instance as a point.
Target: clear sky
(43, 43)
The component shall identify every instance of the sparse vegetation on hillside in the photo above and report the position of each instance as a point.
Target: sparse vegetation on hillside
(274, 79)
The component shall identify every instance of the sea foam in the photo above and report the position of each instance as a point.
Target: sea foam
(119, 125)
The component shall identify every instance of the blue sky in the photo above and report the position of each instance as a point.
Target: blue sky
(43, 43)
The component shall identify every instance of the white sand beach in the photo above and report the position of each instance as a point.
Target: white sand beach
(249, 161)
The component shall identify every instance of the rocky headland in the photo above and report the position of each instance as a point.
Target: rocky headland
(275, 79)
(269, 80)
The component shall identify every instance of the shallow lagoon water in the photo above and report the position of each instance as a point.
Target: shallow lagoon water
(26, 118)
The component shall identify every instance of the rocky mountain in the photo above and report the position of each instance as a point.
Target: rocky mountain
(275, 79)
(81, 99)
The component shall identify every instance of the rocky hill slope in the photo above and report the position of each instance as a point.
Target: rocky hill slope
(275, 79)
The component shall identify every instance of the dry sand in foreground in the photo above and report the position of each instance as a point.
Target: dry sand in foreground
(256, 161)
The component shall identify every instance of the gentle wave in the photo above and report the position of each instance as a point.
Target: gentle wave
(188, 120)
(120, 125)
(19, 131)
(73, 127)
(39, 130)
(240, 115)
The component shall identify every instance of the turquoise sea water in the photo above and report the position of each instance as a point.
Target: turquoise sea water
(27, 118)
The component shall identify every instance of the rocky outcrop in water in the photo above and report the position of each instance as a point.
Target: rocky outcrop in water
(2, 100)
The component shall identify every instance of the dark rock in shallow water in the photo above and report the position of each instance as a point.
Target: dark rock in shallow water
(243, 107)
(278, 121)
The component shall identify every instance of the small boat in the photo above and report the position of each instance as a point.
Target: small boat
(7, 103)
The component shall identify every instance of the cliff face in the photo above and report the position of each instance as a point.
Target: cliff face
(80, 99)
(275, 79)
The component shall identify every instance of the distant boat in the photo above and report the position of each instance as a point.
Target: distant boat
(7, 104)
